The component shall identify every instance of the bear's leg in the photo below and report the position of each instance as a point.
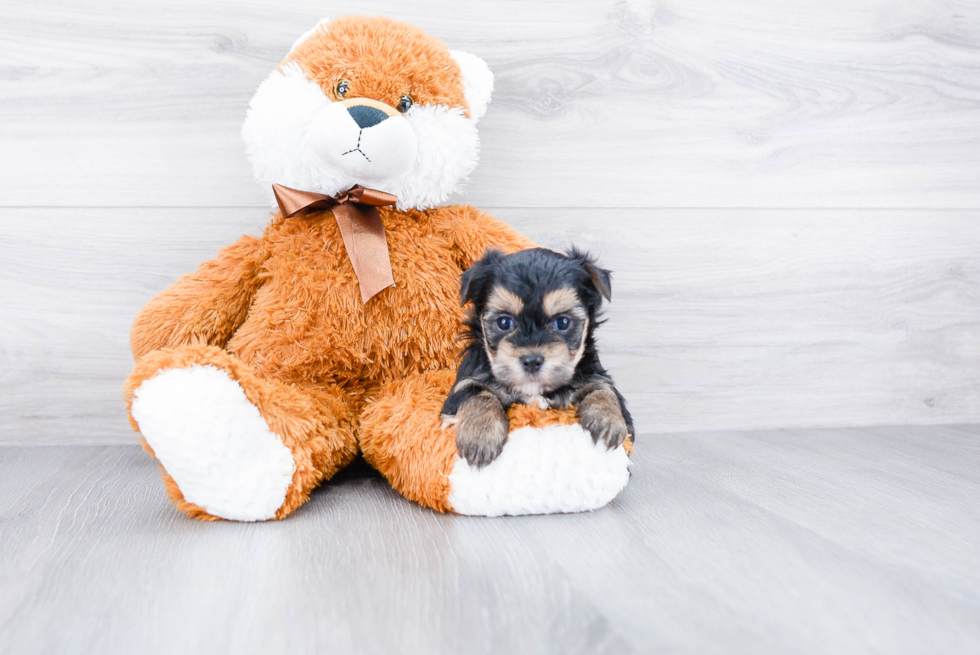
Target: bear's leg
(231, 444)
(549, 463)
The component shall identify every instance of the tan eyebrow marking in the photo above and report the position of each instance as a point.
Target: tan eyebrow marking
(502, 300)
(560, 301)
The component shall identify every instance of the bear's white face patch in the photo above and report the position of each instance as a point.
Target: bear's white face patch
(296, 136)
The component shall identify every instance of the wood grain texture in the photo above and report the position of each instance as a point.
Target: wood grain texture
(720, 318)
(664, 103)
(803, 541)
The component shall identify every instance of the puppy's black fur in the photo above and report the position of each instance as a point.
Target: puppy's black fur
(531, 339)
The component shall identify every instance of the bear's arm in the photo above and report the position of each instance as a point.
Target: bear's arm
(472, 232)
(203, 307)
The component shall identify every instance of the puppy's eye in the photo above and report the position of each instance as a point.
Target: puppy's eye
(562, 323)
(343, 86)
(405, 103)
(505, 323)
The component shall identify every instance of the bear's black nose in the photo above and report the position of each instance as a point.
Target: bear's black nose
(366, 116)
(532, 363)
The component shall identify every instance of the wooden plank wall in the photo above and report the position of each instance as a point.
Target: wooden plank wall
(788, 191)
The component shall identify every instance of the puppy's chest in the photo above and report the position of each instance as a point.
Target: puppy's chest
(558, 399)
(311, 303)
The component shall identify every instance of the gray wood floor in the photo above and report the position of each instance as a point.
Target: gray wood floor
(830, 541)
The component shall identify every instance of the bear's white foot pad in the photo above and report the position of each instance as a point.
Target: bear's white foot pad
(214, 443)
(541, 471)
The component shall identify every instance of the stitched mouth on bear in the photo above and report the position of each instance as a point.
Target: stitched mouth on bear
(357, 148)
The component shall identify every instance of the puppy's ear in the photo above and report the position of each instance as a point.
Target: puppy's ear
(601, 277)
(476, 281)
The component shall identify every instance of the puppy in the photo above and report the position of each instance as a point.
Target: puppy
(531, 339)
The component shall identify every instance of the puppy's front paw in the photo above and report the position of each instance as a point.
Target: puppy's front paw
(599, 413)
(481, 429)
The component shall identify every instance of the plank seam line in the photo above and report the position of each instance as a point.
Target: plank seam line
(528, 207)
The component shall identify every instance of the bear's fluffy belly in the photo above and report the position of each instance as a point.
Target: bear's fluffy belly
(308, 324)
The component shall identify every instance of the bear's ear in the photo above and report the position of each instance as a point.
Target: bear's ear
(319, 27)
(477, 82)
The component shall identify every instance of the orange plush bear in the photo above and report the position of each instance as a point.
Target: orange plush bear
(336, 332)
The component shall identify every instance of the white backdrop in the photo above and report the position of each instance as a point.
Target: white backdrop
(787, 191)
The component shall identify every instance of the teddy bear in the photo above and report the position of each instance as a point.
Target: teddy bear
(336, 332)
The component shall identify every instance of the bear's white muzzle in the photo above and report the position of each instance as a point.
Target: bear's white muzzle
(365, 139)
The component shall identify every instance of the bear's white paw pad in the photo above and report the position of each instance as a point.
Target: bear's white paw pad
(214, 443)
(541, 471)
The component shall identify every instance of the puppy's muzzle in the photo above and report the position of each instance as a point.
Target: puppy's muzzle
(532, 363)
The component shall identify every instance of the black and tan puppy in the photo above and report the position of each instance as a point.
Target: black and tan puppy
(531, 340)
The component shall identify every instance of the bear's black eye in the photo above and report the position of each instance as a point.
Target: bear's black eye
(505, 323)
(405, 103)
(562, 323)
(342, 87)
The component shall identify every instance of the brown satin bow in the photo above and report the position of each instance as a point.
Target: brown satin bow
(360, 227)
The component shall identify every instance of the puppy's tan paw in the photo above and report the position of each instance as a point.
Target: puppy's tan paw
(599, 413)
(481, 429)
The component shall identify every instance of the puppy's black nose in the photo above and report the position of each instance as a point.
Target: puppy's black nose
(532, 363)
(366, 116)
